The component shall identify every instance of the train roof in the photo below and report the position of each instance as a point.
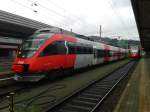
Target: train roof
(100, 44)
(54, 30)
(82, 38)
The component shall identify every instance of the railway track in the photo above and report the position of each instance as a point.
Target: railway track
(16, 87)
(89, 98)
(5, 90)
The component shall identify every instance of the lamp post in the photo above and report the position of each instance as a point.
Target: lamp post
(11, 101)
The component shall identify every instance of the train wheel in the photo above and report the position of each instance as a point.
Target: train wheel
(68, 72)
(55, 74)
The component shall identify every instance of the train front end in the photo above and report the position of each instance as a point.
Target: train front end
(24, 63)
(134, 52)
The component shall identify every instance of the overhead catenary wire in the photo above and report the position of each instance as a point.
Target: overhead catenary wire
(37, 12)
(52, 11)
(16, 2)
(61, 24)
(76, 18)
(58, 6)
(26, 6)
(54, 20)
(69, 19)
(118, 16)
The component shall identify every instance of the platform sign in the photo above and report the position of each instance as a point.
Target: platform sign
(9, 40)
(8, 47)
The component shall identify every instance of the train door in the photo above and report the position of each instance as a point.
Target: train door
(52, 57)
(95, 55)
(106, 50)
(67, 58)
(70, 54)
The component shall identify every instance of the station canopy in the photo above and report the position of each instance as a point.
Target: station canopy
(141, 10)
(12, 25)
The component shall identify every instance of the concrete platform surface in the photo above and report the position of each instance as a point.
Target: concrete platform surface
(5, 67)
(136, 96)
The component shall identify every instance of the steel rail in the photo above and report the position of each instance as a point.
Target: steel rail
(89, 98)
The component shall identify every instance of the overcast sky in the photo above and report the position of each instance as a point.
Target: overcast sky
(82, 16)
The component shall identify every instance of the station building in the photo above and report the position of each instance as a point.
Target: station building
(8, 47)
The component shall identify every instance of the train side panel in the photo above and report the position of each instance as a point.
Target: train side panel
(72, 53)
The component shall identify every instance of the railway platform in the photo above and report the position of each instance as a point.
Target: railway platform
(136, 96)
(5, 67)
(6, 74)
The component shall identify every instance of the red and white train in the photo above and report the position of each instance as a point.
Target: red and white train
(135, 52)
(48, 50)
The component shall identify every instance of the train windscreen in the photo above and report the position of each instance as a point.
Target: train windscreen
(32, 44)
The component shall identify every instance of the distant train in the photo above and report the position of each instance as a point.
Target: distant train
(135, 52)
(48, 50)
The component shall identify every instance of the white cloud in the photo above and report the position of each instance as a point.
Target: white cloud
(83, 16)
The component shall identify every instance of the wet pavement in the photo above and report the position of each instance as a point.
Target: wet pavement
(136, 96)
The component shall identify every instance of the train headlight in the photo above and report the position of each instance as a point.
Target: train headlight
(20, 68)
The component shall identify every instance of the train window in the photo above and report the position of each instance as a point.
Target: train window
(100, 53)
(111, 53)
(78, 48)
(32, 44)
(86, 50)
(71, 47)
(61, 47)
(49, 50)
(35, 41)
(106, 53)
(90, 50)
(55, 48)
(95, 53)
(26, 53)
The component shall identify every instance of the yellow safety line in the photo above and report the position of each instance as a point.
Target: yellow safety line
(124, 92)
(143, 103)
